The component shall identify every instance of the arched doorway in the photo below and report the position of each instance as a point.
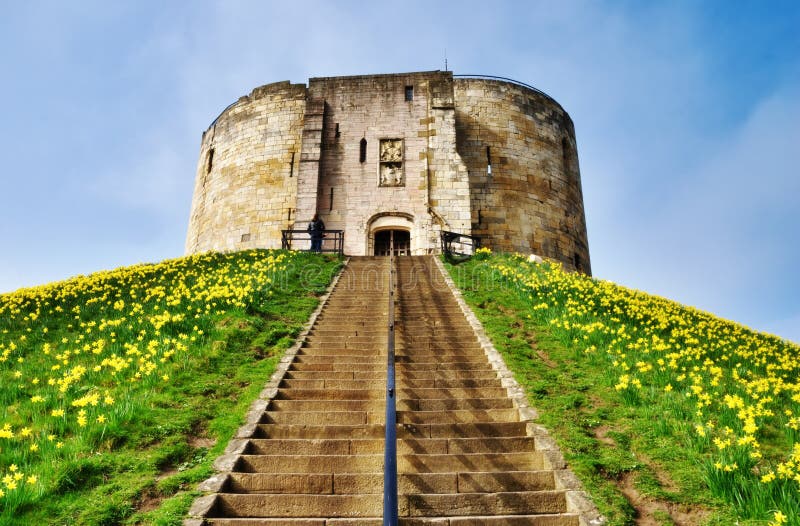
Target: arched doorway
(389, 228)
(384, 240)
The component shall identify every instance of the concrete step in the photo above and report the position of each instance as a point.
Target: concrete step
(346, 348)
(335, 351)
(376, 359)
(401, 348)
(476, 482)
(428, 393)
(347, 340)
(486, 374)
(282, 431)
(439, 383)
(345, 446)
(474, 374)
(297, 505)
(448, 404)
(439, 358)
(442, 366)
(371, 505)
(344, 332)
(293, 406)
(411, 383)
(437, 345)
(445, 463)
(336, 375)
(310, 463)
(372, 483)
(318, 446)
(332, 384)
(506, 503)
(332, 394)
(431, 326)
(404, 431)
(332, 318)
(462, 430)
(324, 418)
(457, 416)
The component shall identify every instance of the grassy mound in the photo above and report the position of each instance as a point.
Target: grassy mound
(118, 389)
(693, 418)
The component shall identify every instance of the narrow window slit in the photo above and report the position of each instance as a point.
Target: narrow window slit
(489, 160)
(338, 133)
(291, 166)
(210, 161)
(362, 155)
(330, 205)
(409, 93)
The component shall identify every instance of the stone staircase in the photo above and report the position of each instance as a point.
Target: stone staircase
(314, 455)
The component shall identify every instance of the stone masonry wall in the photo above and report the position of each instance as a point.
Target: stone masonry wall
(351, 193)
(285, 152)
(532, 199)
(245, 191)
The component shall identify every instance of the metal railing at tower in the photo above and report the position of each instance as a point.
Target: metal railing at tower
(510, 81)
(459, 247)
(332, 241)
(390, 507)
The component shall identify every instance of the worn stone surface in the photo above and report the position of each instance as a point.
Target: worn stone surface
(420, 152)
(244, 187)
(531, 201)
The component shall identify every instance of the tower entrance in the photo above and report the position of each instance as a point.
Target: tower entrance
(385, 239)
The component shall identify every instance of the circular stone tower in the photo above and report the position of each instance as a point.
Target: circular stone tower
(413, 154)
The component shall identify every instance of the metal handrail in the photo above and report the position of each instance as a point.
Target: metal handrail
(390, 444)
(331, 237)
(512, 81)
(459, 247)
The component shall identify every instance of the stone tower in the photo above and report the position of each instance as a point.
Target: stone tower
(411, 153)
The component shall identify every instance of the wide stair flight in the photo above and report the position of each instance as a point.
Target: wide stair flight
(464, 457)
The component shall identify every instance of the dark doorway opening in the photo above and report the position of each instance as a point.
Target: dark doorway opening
(385, 238)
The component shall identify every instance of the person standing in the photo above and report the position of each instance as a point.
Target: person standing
(317, 230)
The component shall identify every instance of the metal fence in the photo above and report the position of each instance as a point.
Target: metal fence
(332, 241)
(457, 246)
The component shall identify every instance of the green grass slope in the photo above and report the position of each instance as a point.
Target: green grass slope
(118, 389)
(668, 414)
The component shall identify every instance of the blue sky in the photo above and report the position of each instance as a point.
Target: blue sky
(687, 117)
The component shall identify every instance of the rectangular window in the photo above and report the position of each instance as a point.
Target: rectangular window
(409, 93)
(488, 160)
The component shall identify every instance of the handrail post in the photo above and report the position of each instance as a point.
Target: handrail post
(390, 445)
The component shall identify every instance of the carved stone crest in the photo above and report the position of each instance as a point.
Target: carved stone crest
(390, 169)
